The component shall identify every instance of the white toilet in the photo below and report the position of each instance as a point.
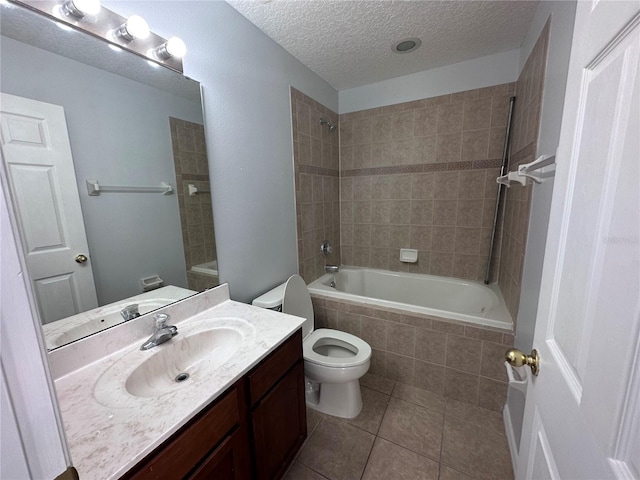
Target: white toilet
(334, 361)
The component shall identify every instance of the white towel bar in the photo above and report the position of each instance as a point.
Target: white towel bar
(94, 188)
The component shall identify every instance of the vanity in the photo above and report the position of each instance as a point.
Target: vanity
(234, 410)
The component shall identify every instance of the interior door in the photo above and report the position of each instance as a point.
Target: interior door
(39, 167)
(582, 416)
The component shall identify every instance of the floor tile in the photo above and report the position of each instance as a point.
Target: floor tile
(300, 472)
(374, 404)
(313, 418)
(377, 382)
(448, 473)
(337, 450)
(413, 427)
(392, 462)
(474, 442)
(418, 396)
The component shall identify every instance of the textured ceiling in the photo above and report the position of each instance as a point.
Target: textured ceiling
(348, 43)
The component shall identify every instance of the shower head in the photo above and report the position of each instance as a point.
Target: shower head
(332, 127)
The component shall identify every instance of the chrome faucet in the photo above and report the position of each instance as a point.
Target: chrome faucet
(130, 312)
(161, 332)
(331, 268)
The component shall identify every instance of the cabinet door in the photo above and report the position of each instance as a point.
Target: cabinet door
(279, 423)
(230, 461)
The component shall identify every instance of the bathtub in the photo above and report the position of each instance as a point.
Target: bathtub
(449, 298)
(208, 268)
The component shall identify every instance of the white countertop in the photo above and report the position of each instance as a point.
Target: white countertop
(107, 437)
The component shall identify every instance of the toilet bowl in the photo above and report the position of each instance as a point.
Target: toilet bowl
(334, 361)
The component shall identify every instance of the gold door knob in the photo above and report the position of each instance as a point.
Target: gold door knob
(81, 259)
(516, 358)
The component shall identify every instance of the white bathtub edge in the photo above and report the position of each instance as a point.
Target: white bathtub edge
(505, 324)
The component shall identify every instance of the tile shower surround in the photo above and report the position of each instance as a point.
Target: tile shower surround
(316, 170)
(526, 124)
(196, 213)
(422, 175)
(456, 360)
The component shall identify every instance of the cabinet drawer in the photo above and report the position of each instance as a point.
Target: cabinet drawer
(179, 455)
(274, 367)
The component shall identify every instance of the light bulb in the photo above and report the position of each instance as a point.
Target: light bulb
(134, 27)
(80, 8)
(174, 47)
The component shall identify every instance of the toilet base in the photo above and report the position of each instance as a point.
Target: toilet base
(342, 400)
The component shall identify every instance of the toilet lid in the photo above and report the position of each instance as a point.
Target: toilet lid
(297, 301)
(326, 336)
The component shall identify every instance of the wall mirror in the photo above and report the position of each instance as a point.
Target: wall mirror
(76, 113)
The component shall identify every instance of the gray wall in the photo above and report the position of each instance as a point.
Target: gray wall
(458, 77)
(119, 133)
(246, 78)
(562, 18)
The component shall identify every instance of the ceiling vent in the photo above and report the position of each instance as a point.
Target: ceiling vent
(407, 45)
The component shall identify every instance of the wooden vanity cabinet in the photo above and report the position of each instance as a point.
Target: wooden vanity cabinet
(217, 436)
(278, 412)
(252, 431)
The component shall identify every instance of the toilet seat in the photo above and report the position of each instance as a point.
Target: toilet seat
(361, 349)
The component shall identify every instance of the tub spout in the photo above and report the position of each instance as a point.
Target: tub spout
(331, 268)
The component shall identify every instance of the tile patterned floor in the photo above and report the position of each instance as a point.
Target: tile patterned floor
(404, 433)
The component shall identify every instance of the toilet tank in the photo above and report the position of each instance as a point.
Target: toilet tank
(273, 301)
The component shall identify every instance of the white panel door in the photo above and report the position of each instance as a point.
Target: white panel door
(581, 416)
(39, 168)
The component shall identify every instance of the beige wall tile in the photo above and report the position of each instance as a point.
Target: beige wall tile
(461, 351)
(429, 376)
(450, 118)
(403, 125)
(401, 339)
(421, 212)
(477, 113)
(400, 212)
(449, 147)
(425, 149)
(475, 144)
(492, 363)
(399, 367)
(362, 156)
(420, 238)
(374, 332)
(422, 186)
(431, 346)
(445, 212)
(425, 122)
(382, 128)
(441, 264)
(443, 239)
(362, 234)
(446, 184)
(467, 267)
(469, 212)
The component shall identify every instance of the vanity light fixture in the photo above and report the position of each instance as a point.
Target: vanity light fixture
(172, 48)
(134, 27)
(131, 34)
(80, 8)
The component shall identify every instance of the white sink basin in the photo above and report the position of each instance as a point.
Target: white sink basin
(183, 361)
(188, 360)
